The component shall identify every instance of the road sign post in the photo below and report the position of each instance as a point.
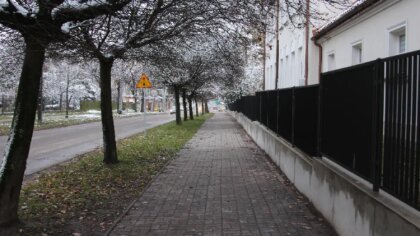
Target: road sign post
(144, 83)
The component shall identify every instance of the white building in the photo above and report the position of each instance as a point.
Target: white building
(295, 43)
(374, 29)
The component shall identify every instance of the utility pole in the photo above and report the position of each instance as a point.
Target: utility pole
(307, 15)
(264, 56)
(277, 42)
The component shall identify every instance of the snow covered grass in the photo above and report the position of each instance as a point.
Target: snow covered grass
(57, 119)
(85, 196)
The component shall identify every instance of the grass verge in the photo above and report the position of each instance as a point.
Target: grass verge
(4, 129)
(49, 124)
(84, 197)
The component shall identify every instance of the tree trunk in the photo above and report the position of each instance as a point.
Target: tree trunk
(190, 108)
(119, 97)
(61, 101)
(202, 106)
(19, 141)
(40, 103)
(134, 93)
(206, 106)
(196, 107)
(3, 104)
(108, 131)
(177, 106)
(184, 103)
(143, 104)
(67, 96)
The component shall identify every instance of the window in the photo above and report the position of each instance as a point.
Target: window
(292, 67)
(357, 53)
(300, 64)
(331, 61)
(401, 43)
(397, 40)
(281, 70)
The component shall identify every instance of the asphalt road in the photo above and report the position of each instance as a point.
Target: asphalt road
(53, 146)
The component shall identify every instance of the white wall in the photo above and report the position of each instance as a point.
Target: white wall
(292, 41)
(372, 29)
(270, 59)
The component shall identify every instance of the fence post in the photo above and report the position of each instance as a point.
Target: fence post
(277, 111)
(319, 117)
(293, 116)
(259, 112)
(377, 123)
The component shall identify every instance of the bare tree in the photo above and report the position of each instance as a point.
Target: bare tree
(39, 23)
(143, 23)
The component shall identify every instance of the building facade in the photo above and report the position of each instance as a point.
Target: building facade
(297, 53)
(374, 29)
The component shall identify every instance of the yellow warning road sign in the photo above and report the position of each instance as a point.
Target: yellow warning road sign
(144, 82)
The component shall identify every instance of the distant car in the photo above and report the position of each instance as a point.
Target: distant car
(52, 107)
(173, 110)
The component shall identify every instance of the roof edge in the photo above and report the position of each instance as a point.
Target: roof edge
(344, 18)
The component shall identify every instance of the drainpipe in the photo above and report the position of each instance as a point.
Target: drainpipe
(319, 96)
(277, 42)
(264, 57)
(307, 15)
(319, 60)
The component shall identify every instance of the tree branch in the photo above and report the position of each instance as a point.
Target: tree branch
(86, 11)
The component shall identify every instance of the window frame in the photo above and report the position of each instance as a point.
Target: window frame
(357, 47)
(394, 34)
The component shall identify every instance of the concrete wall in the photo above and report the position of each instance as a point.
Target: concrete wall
(373, 29)
(345, 200)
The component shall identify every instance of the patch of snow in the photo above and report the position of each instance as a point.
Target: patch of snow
(338, 16)
(93, 112)
(77, 5)
(65, 28)
(19, 9)
(4, 4)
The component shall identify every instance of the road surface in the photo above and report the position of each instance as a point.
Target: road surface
(53, 146)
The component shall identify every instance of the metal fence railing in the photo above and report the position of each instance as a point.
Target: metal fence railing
(285, 110)
(347, 117)
(305, 121)
(401, 159)
(365, 117)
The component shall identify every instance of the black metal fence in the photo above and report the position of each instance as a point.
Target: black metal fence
(248, 105)
(401, 159)
(347, 117)
(366, 118)
(305, 120)
(285, 112)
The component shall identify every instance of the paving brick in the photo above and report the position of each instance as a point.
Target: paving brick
(221, 183)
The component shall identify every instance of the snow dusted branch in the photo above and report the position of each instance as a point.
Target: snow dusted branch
(83, 10)
(53, 19)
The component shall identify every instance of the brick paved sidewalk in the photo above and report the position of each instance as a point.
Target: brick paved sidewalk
(221, 184)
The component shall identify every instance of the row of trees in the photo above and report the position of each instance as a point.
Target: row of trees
(192, 46)
(104, 32)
